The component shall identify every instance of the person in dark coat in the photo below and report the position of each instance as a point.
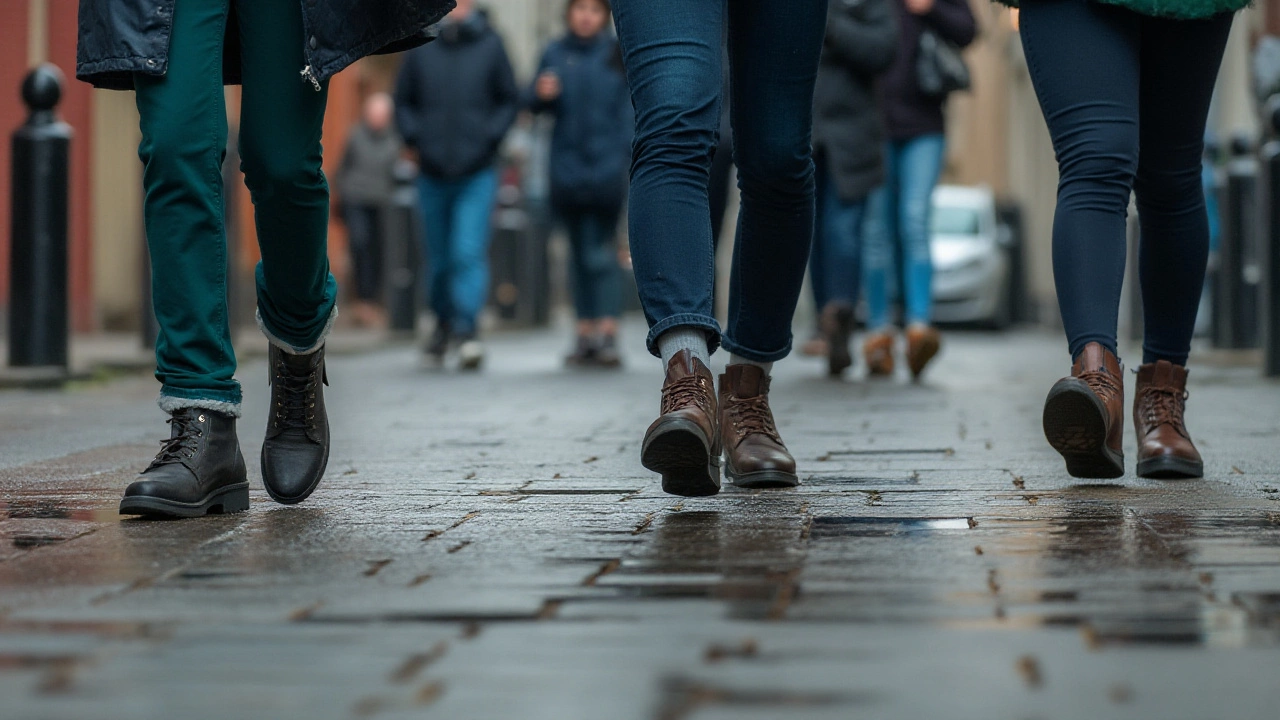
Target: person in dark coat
(898, 213)
(177, 56)
(848, 148)
(580, 83)
(366, 182)
(455, 100)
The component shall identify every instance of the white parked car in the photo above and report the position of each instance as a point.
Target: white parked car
(971, 258)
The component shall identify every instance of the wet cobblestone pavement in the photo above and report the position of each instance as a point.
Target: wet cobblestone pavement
(489, 547)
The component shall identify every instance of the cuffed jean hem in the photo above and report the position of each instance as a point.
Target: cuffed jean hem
(172, 400)
(756, 355)
(692, 320)
(294, 349)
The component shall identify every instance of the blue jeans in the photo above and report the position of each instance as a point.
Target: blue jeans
(597, 281)
(835, 266)
(898, 215)
(1128, 116)
(672, 51)
(456, 226)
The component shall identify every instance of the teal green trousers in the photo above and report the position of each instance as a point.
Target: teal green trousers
(184, 139)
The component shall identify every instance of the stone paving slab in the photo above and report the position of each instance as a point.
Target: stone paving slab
(487, 546)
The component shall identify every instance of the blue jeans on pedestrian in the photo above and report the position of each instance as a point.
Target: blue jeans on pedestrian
(898, 215)
(835, 265)
(456, 215)
(672, 50)
(597, 279)
(1126, 117)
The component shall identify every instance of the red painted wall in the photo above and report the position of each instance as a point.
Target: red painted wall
(13, 65)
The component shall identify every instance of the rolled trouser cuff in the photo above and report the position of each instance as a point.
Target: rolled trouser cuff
(756, 355)
(171, 403)
(294, 349)
(693, 320)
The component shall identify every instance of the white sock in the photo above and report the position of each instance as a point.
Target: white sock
(739, 360)
(671, 342)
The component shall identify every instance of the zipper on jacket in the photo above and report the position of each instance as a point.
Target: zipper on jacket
(309, 75)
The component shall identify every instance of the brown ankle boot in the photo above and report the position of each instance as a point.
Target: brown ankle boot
(682, 445)
(1165, 449)
(877, 350)
(754, 454)
(1083, 415)
(923, 344)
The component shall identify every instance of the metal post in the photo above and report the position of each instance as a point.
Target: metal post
(1236, 281)
(402, 263)
(38, 281)
(1270, 253)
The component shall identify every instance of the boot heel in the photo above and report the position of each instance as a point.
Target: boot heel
(233, 500)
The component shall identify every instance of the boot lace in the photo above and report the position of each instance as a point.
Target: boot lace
(183, 444)
(1164, 406)
(1103, 383)
(752, 416)
(296, 407)
(688, 390)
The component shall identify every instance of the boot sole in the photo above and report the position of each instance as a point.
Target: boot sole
(763, 479)
(1170, 468)
(285, 500)
(679, 451)
(1075, 425)
(839, 358)
(226, 500)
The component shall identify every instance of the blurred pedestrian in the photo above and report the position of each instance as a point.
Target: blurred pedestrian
(172, 55)
(848, 146)
(899, 211)
(455, 100)
(1126, 116)
(366, 181)
(581, 84)
(672, 51)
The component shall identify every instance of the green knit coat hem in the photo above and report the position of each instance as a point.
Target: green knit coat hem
(1176, 9)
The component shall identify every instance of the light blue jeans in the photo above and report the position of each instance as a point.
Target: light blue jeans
(456, 223)
(897, 225)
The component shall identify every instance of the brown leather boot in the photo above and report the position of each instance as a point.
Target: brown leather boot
(754, 454)
(877, 350)
(923, 343)
(682, 445)
(1084, 415)
(1165, 450)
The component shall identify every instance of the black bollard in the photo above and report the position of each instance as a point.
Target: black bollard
(1236, 280)
(38, 280)
(402, 263)
(1270, 253)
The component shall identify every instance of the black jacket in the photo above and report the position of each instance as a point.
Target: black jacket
(862, 36)
(118, 38)
(591, 143)
(456, 98)
(909, 113)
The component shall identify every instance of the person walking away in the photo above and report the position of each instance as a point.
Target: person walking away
(848, 141)
(580, 83)
(365, 184)
(899, 212)
(672, 53)
(455, 100)
(176, 56)
(1127, 115)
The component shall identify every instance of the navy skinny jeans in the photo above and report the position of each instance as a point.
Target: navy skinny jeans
(597, 278)
(672, 52)
(1126, 98)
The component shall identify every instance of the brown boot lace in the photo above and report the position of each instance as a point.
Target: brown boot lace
(688, 390)
(1164, 406)
(1103, 384)
(752, 416)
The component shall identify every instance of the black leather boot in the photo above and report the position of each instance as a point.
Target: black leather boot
(296, 449)
(199, 470)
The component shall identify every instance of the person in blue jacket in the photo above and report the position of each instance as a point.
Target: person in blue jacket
(581, 84)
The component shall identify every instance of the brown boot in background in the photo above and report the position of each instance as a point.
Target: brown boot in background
(837, 326)
(1165, 450)
(754, 454)
(923, 343)
(877, 349)
(682, 445)
(1084, 415)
